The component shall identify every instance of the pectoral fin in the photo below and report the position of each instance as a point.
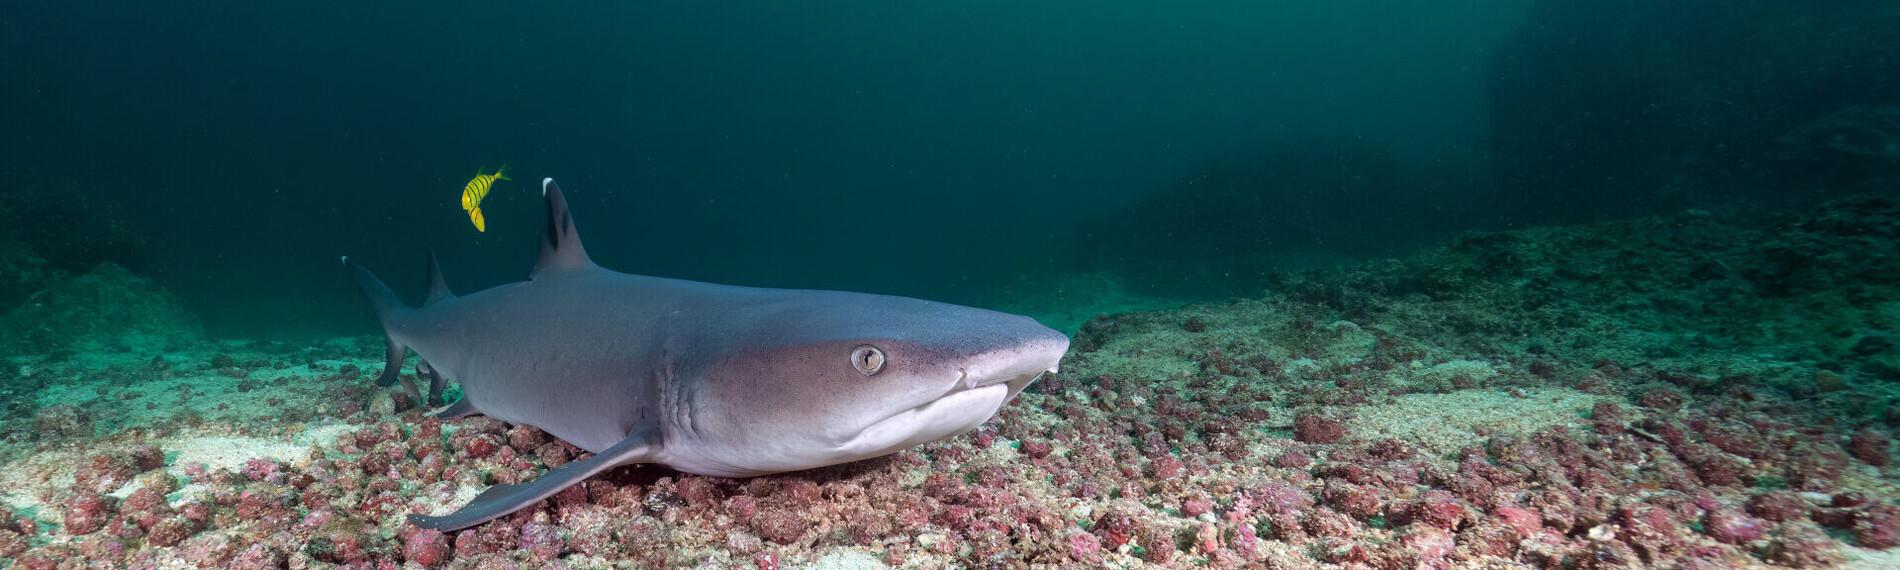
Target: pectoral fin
(501, 500)
(460, 409)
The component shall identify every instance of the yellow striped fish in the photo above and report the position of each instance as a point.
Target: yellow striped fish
(477, 189)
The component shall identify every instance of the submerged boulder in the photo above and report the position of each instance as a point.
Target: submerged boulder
(21, 272)
(1858, 133)
(108, 309)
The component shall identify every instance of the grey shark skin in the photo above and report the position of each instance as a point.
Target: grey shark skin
(703, 378)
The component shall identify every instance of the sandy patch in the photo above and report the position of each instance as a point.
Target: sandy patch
(1445, 423)
(42, 474)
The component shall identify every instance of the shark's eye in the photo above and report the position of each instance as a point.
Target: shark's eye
(867, 359)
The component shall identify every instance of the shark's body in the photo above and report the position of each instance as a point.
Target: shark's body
(704, 378)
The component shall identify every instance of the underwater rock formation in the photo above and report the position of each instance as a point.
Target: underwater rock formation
(74, 278)
(1854, 147)
(1864, 133)
(22, 273)
(108, 309)
(1217, 231)
(70, 227)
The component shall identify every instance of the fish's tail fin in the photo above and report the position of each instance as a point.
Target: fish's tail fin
(502, 173)
(388, 308)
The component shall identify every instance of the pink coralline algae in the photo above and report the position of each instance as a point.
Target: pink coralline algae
(1196, 507)
(1084, 547)
(1425, 546)
(1313, 428)
(1353, 500)
(1436, 508)
(1116, 527)
(86, 513)
(259, 469)
(482, 446)
(1871, 447)
(1778, 507)
(1607, 418)
(1655, 532)
(1159, 543)
(1803, 547)
(1523, 521)
(1733, 527)
(780, 526)
(1661, 399)
(1878, 527)
(171, 530)
(426, 548)
(1277, 497)
(12, 543)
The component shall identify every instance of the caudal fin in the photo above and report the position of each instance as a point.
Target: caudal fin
(380, 298)
(388, 308)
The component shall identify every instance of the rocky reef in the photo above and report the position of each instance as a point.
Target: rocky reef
(108, 309)
(70, 227)
(1708, 389)
(74, 279)
(1220, 228)
(1852, 147)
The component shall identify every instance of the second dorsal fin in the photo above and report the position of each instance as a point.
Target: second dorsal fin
(438, 287)
(561, 249)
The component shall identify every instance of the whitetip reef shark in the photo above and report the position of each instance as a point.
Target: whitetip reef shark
(711, 379)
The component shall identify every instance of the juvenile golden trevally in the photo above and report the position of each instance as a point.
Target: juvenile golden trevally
(477, 189)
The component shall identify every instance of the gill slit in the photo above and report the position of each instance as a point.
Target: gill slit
(684, 412)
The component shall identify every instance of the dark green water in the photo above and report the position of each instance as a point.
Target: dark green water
(960, 151)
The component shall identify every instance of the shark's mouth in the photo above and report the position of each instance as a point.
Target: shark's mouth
(953, 414)
(1017, 384)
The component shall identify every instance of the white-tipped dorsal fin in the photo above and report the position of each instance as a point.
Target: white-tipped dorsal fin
(561, 248)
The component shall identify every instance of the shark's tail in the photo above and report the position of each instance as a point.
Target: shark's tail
(388, 308)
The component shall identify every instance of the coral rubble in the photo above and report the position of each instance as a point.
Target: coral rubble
(1705, 390)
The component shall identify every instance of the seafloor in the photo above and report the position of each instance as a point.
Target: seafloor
(1702, 390)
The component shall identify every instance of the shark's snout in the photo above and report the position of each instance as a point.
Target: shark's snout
(1017, 365)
